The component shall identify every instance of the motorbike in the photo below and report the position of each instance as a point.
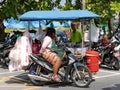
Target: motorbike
(6, 46)
(108, 54)
(4, 53)
(72, 70)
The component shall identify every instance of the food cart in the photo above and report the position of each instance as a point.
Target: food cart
(79, 15)
(59, 15)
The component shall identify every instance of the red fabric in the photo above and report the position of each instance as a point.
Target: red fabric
(35, 48)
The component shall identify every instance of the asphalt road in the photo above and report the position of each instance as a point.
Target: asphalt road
(105, 79)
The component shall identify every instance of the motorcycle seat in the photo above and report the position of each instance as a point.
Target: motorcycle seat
(43, 61)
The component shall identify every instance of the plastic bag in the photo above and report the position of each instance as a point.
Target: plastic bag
(19, 55)
(13, 66)
(15, 51)
(25, 50)
(40, 35)
(14, 54)
(94, 34)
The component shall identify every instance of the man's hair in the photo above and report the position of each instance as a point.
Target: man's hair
(73, 23)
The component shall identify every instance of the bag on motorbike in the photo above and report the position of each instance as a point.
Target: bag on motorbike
(15, 51)
(13, 66)
(25, 50)
(14, 55)
(19, 54)
(35, 48)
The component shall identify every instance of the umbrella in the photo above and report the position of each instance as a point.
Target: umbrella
(60, 25)
(35, 24)
(12, 24)
(66, 25)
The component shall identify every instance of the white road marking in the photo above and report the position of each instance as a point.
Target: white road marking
(10, 72)
(106, 76)
(107, 71)
(25, 87)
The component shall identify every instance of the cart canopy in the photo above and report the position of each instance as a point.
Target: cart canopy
(57, 15)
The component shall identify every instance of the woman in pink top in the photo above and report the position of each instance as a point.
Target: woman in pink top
(47, 51)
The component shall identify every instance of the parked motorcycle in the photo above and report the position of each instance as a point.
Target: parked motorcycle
(40, 71)
(6, 46)
(108, 54)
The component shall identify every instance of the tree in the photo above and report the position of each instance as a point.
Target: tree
(106, 9)
(78, 4)
(12, 8)
(68, 5)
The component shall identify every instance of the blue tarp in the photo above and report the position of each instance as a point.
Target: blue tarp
(11, 23)
(57, 15)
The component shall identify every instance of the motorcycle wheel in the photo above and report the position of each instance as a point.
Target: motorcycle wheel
(33, 70)
(82, 77)
(116, 63)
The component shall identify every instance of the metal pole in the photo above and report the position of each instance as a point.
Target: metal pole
(82, 33)
(82, 30)
(90, 41)
(28, 28)
(39, 26)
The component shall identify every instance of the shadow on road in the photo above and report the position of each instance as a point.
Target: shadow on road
(114, 87)
(64, 84)
(56, 85)
(24, 79)
(19, 79)
(107, 68)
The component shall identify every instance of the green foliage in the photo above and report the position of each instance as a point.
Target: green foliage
(68, 5)
(12, 8)
(77, 4)
(105, 8)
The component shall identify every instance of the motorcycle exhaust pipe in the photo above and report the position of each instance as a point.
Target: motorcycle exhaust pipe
(40, 78)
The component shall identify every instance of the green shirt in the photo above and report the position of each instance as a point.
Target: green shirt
(76, 37)
(57, 50)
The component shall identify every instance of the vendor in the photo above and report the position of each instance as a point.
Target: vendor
(75, 34)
